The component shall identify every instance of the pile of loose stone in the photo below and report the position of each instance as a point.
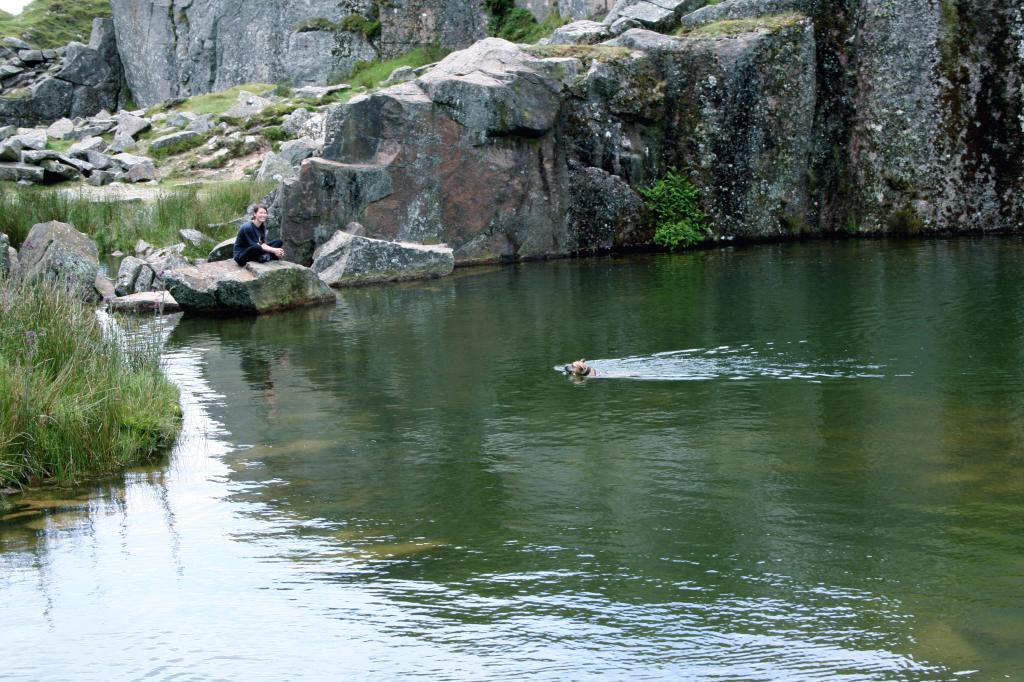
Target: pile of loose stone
(99, 160)
(21, 64)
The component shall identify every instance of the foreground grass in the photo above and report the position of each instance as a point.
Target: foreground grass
(74, 403)
(118, 224)
(53, 23)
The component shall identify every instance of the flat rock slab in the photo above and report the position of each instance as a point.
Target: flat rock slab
(346, 259)
(224, 288)
(145, 303)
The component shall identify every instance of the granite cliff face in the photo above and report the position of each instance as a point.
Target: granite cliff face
(864, 116)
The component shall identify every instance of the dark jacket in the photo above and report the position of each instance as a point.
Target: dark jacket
(248, 236)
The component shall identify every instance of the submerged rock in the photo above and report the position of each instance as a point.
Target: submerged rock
(224, 288)
(347, 259)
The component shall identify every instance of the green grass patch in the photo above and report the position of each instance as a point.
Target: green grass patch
(117, 225)
(61, 146)
(674, 201)
(53, 23)
(370, 74)
(732, 27)
(74, 402)
(215, 102)
(585, 53)
(517, 24)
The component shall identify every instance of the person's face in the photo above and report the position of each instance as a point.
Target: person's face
(260, 216)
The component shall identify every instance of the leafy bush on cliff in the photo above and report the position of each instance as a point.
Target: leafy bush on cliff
(53, 23)
(674, 202)
(74, 401)
(517, 24)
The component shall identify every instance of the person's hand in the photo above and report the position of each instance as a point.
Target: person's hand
(279, 252)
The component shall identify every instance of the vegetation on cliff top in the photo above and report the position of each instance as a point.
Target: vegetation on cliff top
(731, 27)
(53, 23)
(75, 402)
(517, 24)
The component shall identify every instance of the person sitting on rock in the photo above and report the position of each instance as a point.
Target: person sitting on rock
(251, 243)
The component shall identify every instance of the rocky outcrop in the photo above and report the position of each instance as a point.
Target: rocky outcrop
(788, 123)
(224, 288)
(347, 259)
(489, 151)
(56, 251)
(185, 48)
(5, 256)
(175, 49)
(41, 86)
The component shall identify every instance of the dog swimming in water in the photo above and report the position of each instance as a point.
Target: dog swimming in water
(580, 368)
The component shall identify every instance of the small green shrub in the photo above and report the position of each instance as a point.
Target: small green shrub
(517, 24)
(274, 133)
(371, 74)
(675, 203)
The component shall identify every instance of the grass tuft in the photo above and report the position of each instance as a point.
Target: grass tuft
(75, 402)
(371, 74)
(732, 27)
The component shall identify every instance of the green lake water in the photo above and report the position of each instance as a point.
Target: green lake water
(816, 472)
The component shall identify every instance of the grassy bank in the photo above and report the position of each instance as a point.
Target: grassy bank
(118, 224)
(53, 23)
(74, 404)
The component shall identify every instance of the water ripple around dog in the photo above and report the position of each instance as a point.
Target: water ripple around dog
(786, 361)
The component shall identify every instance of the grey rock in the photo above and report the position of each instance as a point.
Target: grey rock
(99, 160)
(8, 70)
(145, 303)
(16, 43)
(295, 151)
(200, 124)
(35, 139)
(179, 119)
(7, 131)
(60, 129)
(20, 171)
(402, 74)
(739, 9)
(173, 139)
(84, 66)
(295, 122)
(136, 168)
(89, 131)
(223, 251)
(275, 167)
(166, 258)
(347, 259)
(89, 144)
(122, 143)
(224, 288)
(194, 237)
(100, 178)
(37, 156)
(130, 125)
(127, 273)
(13, 267)
(55, 171)
(11, 151)
(143, 248)
(50, 55)
(319, 91)
(30, 56)
(146, 280)
(248, 105)
(582, 32)
(56, 251)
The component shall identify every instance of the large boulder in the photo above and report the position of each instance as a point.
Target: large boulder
(127, 274)
(347, 259)
(56, 251)
(222, 251)
(21, 171)
(175, 140)
(224, 288)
